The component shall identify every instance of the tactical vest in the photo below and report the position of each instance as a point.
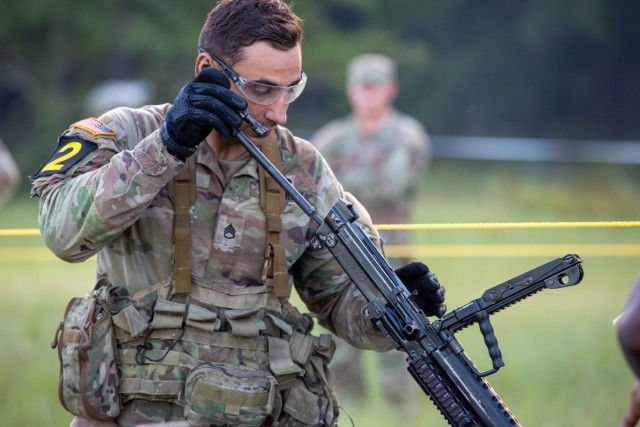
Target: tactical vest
(155, 361)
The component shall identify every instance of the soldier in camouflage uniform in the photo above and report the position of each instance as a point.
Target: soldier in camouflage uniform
(380, 155)
(105, 191)
(9, 174)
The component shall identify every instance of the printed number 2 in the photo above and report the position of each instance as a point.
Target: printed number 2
(71, 148)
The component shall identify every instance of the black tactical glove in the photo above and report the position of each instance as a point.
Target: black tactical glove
(427, 292)
(202, 105)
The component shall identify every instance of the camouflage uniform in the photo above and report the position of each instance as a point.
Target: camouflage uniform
(382, 170)
(9, 174)
(114, 204)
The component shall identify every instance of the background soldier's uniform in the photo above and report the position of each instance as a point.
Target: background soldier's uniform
(382, 170)
(9, 174)
(114, 203)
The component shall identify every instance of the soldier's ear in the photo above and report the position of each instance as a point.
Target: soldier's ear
(202, 62)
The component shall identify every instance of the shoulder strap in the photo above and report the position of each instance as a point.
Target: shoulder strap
(272, 200)
(182, 192)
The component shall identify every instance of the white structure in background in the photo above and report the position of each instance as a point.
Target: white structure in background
(118, 93)
(536, 149)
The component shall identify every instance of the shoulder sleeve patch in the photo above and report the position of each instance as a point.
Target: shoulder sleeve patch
(94, 126)
(70, 150)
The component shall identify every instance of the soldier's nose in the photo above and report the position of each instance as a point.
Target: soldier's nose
(277, 111)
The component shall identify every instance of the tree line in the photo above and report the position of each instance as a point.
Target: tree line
(549, 69)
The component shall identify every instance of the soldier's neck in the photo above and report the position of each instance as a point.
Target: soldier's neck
(225, 148)
(368, 124)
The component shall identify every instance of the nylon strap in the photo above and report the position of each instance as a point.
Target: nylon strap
(281, 364)
(182, 192)
(272, 200)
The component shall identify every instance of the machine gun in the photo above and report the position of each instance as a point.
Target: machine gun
(436, 359)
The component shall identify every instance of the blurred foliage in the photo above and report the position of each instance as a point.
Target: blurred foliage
(520, 68)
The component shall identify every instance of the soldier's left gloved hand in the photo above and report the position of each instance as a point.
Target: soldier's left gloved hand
(427, 291)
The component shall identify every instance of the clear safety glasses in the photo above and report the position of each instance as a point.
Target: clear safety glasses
(260, 93)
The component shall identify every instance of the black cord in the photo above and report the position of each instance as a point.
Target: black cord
(142, 358)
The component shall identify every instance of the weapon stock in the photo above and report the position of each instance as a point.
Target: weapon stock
(436, 360)
(560, 273)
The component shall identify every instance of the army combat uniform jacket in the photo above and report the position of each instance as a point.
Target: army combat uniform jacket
(398, 152)
(104, 192)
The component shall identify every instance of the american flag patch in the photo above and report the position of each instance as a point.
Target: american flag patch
(94, 126)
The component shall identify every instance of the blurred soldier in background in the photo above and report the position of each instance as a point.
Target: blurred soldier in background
(9, 174)
(629, 337)
(380, 155)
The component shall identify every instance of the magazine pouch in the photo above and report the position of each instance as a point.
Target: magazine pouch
(88, 381)
(225, 394)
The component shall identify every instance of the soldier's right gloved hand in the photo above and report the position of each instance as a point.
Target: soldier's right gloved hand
(204, 104)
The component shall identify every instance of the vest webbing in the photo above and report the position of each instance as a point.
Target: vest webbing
(182, 191)
(272, 200)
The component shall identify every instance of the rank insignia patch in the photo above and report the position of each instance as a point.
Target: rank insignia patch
(229, 232)
(71, 149)
(94, 126)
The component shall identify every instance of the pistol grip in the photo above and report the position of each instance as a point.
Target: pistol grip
(490, 338)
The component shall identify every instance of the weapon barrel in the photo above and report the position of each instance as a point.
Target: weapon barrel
(278, 177)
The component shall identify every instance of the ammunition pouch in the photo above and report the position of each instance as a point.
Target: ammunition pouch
(222, 393)
(88, 385)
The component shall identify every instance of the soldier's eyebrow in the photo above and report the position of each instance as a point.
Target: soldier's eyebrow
(271, 83)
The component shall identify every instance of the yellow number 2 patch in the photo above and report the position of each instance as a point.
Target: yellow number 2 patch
(70, 150)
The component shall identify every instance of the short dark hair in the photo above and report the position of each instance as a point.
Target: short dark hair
(235, 24)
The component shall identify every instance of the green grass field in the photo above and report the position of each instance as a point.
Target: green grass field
(563, 364)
